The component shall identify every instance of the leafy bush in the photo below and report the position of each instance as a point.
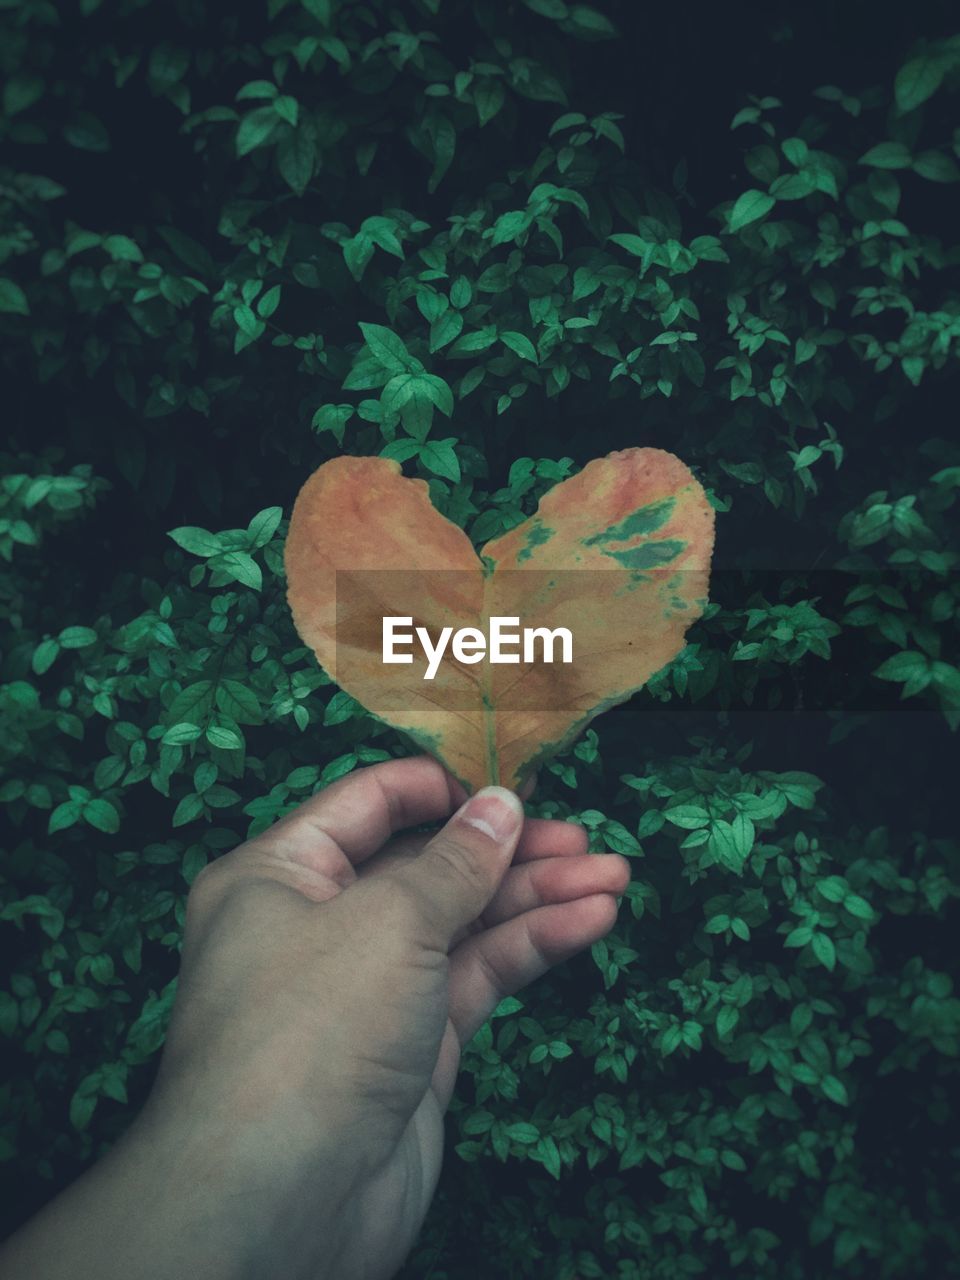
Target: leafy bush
(492, 242)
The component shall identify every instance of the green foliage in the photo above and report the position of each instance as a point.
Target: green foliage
(234, 244)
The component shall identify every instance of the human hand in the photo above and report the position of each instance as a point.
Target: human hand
(331, 973)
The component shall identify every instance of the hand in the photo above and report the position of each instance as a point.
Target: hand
(330, 977)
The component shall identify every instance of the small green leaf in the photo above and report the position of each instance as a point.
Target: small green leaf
(102, 815)
(858, 906)
(903, 666)
(727, 1019)
(86, 132)
(833, 888)
(21, 92)
(77, 637)
(256, 89)
(888, 155)
(798, 937)
(239, 702)
(835, 1090)
(821, 944)
(178, 735)
(633, 244)
(287, 108)
(122, 249)
(199, 542)
(297, 158)
(688, 816)
(936, 166)
(436, 391)
(268, 304)
(333, 418)
(750, 207)
(806, 457)
(339, 709)
(63, 816)
(44, 656)
(522, 1132)
(189, 808)
(12, 298)
(242, 567)
(519, 343)
(388, 348)
(401, 450)
(440, 457)
(256, 129)
(917, 80)
(263, 526)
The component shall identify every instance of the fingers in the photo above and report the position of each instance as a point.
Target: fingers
(551, 880)
(550, 838)
(490, 965)
(357, 814)
(540, 838)
(547, 881)
(455, 877)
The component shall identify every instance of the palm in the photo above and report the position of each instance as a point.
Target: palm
(413, 1006)
(429, 1011)
(419, 1071)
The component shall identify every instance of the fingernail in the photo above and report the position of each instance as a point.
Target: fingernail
(495, 811)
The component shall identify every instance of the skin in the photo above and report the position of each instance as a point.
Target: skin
(332, 971)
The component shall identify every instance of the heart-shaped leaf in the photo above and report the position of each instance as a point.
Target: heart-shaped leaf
(619, 555)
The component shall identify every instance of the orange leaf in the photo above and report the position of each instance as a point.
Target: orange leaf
(619, 555)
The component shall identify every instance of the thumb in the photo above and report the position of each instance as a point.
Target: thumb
(455, 877)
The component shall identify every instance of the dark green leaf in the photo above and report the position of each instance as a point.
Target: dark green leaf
(749, 207)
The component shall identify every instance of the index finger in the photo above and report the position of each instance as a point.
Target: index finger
(360, 812)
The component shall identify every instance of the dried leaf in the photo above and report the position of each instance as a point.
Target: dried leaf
(618, 554)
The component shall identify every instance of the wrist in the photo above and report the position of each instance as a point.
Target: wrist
(244, 1184)
(192, 1194)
